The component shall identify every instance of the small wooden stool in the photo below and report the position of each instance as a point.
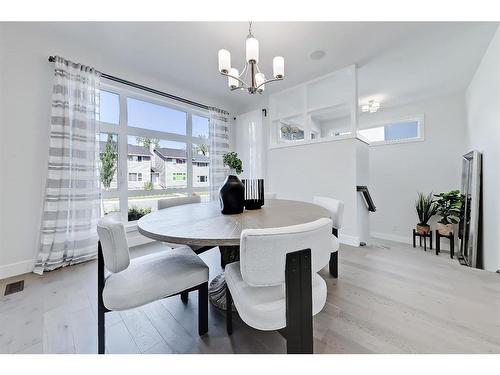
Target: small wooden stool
(415, 234)
(451, 237)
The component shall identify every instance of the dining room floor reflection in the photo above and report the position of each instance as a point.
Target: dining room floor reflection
(389, 298)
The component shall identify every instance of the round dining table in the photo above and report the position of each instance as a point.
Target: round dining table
(203, 226)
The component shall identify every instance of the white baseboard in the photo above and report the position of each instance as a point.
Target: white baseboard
(17, 268)
(349, 240)
(392, 237)
(445, 244)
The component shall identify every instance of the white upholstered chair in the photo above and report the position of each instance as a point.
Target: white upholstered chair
(336, 208)
(275, 285)
(137, 282)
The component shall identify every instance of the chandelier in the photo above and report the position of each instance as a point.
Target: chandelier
(257, 80)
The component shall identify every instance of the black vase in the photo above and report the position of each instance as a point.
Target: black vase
(232, 196)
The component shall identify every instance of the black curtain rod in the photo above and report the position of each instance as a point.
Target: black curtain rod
(149, 89)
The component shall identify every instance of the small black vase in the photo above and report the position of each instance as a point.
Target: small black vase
(232, 196)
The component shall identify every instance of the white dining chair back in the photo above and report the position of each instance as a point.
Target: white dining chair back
(263, 251)
(336, 208)
(114, 243)
(171, 202)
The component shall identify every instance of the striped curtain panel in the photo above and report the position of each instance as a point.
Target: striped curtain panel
(71, 207)
(219, 145)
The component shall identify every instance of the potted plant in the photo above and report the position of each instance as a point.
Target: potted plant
(232, 193)
(426, 208)
(448, 207)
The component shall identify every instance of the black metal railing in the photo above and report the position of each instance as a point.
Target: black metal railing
(367, 197)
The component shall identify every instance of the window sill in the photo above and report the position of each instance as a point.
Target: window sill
(315, 141)
(130, 226)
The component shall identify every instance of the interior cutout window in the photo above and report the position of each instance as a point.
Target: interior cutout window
(394, 132)
(291, 132)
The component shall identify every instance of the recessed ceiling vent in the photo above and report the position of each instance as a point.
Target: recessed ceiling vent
(317, 55)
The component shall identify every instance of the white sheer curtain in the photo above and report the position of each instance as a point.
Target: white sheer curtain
(219, 133)
(71, 205)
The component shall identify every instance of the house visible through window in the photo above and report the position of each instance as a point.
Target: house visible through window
(202, 178)
(394, 132)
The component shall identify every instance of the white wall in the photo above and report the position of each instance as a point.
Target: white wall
(399, 171)
(483, 130)
(325, 169)
(26, 84)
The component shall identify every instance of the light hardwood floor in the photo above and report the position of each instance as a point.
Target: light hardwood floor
(389, 298)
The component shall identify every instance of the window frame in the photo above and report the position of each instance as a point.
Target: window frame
(419, 119)
(123, 131)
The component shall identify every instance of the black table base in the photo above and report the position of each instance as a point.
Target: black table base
(217, 288)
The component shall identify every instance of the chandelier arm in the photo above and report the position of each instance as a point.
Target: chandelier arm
(244, 71)
(237, 78)
(268, 81)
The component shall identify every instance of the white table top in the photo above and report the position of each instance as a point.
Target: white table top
(202, 224)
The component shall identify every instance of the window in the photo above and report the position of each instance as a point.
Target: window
(394, 132)
(291, 132)
(200, 159)
(151, 143)
(200, 127)
(177, 176)
(109, 108)
(146, 115)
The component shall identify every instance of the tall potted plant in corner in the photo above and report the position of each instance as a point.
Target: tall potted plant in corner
(448, 207)
(426, 208)
(232, 193)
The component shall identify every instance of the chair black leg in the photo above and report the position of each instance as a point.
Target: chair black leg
(101, 323)
(298, 290)
(229, 311)
(101, 320)
(203, 309)
(184, 297)
(334, 264)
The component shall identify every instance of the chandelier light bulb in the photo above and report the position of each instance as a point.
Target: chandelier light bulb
(252, 47)
(278, 67)
(260, 78)
(224, 61)
(233, 82)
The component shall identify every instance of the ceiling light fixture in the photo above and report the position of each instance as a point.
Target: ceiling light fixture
(237, 81)
(372, 106)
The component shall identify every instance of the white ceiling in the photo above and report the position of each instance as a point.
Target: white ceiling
(397, 62)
